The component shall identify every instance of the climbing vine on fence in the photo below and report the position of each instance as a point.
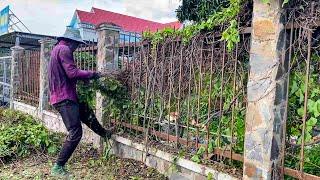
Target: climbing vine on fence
(226, 15)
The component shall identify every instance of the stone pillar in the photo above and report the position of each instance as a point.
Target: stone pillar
(16, 53)
(46, 47)
(266, 93)
(107, 55)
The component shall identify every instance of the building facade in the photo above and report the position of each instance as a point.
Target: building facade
(131, 27)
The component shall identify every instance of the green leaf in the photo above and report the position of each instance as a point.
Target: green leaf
(210, 176)
(308, 137)
(294, 87)
(311, 122)
(300, 111)
(210, 147)
(196, 159)
(201, 151)
(301, 96)
(285, 2)
(52, 149)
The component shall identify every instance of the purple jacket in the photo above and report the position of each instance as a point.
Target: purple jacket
(63, 74)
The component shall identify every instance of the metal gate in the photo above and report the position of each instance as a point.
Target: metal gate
(5, 76)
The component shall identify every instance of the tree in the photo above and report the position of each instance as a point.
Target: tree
(199, 10)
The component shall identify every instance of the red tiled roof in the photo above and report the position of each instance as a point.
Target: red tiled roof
(127, 23)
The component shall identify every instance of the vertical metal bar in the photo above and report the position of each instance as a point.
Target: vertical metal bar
(199, 93)
(152, 96)
(88, 55)
(129, 46)
(123, 50)
(29, 99)
(221, 95)
(234, 100)
(209, 99)
(305, 101)
(170, 89)
(34, 77)
(114, 54)
(28, 72)
(154, 75)
(4, 79)
(133, 79)
(179, 95)
(34, 56)
(75, 57)
(287, 100)
(189, 95)
(38, 66)
(162, 99)
(92, 55)
(139, 84)
(139, 80)
(80, 56)
(146, 96)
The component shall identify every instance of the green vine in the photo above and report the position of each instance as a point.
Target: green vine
(228, 14)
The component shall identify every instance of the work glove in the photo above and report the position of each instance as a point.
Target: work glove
(96, 75)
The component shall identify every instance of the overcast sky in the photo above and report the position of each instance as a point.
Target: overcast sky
(50, 17)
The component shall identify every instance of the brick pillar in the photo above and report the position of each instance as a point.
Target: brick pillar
(107, 55)
(16, 53)
(266, 93)
(46, 47)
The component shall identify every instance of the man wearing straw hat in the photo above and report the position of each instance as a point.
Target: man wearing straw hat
(63, 76)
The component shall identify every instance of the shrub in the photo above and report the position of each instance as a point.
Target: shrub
(21, 135)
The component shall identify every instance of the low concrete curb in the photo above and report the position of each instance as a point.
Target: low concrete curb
(163, 161)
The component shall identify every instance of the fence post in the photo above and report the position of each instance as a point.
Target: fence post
(267, 89)
(16, 53)
(108, 36)
(45, 51)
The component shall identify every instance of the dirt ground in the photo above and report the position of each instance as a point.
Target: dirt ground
(85, 164)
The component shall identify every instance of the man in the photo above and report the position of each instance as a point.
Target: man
(63, 76)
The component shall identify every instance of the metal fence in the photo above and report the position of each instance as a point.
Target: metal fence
(126, 49)
(85, 56)
(192, 98)
(302, 134)
(5, 77)
(28, 68)
(188, 98)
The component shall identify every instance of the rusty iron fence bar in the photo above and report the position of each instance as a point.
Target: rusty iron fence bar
(177, 98)
(302, 53)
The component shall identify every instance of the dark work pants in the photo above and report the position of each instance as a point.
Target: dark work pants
(73, 114)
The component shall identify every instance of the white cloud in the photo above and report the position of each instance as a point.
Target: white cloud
(157, 10)
(51, 16)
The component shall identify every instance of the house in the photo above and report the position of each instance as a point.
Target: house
(130, 26)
